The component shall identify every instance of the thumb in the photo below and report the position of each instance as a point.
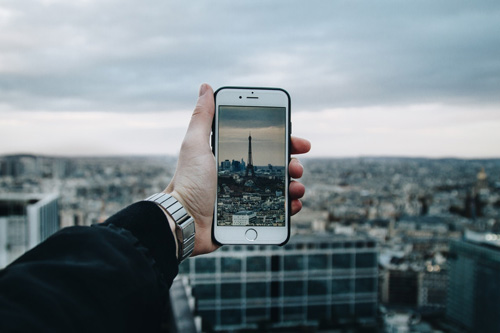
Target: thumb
(200, 125)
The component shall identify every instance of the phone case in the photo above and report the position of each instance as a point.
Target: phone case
(289, 155)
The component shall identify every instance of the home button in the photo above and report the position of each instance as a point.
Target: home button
(251, 235)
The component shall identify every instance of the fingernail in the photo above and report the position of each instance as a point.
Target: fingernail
(297, 161)
(203, 89)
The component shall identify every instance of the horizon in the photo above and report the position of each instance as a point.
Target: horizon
(300, 157)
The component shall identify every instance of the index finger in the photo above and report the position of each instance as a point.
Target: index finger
(299, 145)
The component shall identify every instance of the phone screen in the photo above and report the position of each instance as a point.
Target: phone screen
(251, 164)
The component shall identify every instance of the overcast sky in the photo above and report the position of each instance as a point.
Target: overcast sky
(411, 78)
(266, 126)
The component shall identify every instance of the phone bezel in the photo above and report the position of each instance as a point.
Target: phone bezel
(267, 97)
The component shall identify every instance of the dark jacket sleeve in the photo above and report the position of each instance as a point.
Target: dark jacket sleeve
(112, 277)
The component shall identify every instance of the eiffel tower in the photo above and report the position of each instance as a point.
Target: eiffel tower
(250, 161)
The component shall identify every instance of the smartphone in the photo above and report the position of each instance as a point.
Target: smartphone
(251, 144)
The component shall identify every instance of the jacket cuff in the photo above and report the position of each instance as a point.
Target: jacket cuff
(148, 223)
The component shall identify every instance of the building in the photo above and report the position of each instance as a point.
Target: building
(399, 287)
(225, 165)
(473, 291)
(432, 287)
(178, 316)
(314, 280)
(244, 218)
(25, 221)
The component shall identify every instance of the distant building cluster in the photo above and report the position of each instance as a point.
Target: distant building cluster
(260, 193)
(387, 244)
(233, 166)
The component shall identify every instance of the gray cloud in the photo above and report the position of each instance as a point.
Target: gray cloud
(249, 117)
(136, 56)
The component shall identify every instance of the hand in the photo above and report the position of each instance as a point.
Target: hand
(195, 181)
(295, 169)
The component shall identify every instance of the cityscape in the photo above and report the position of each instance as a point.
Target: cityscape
(250, 195)
(382, 244)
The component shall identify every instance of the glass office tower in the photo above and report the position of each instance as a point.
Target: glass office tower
(473, 301)
(25, 220)
(314, 280)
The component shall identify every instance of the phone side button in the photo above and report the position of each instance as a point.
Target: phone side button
(251, 235)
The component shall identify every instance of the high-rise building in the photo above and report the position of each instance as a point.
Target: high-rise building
(432, 287)
(225, 165)
(400, 287)
(25, 221)
(314, 280)
(473, 301)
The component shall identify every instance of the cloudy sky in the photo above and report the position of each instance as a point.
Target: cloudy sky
(411, 78)
(266, 126)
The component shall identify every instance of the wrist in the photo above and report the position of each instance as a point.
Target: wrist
(183, 224)
(172, 226)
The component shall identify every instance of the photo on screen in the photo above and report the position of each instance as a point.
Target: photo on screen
(251, 166)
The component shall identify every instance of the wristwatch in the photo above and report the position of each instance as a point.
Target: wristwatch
(184, 223)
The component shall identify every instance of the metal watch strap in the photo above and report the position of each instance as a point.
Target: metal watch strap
(184, 222)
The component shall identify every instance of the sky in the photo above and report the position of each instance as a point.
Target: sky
(266, 127)
(366, 78)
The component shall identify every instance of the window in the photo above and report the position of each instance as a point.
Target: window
(341, 286)
(366, 260)
(316, 312)
(204, 291)
(230, 265)
(293, 288)
(184, 267)
(294, 263)
(230, 290)
(365, 285)
(205, 265)
(209, 319)
(256, 314)
(275, 289)
(256, 290)
(341, 261)
(340, 311)
(316, 287)
(365, 310)
(275, 314)
(230, 316)
(256, 264)
(318, 261)
(276, 263)
(293, 312)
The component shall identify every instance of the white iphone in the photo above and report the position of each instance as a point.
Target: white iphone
(251, 144)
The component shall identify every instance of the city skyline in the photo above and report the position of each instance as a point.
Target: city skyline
(90, 77)
(420, 218)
